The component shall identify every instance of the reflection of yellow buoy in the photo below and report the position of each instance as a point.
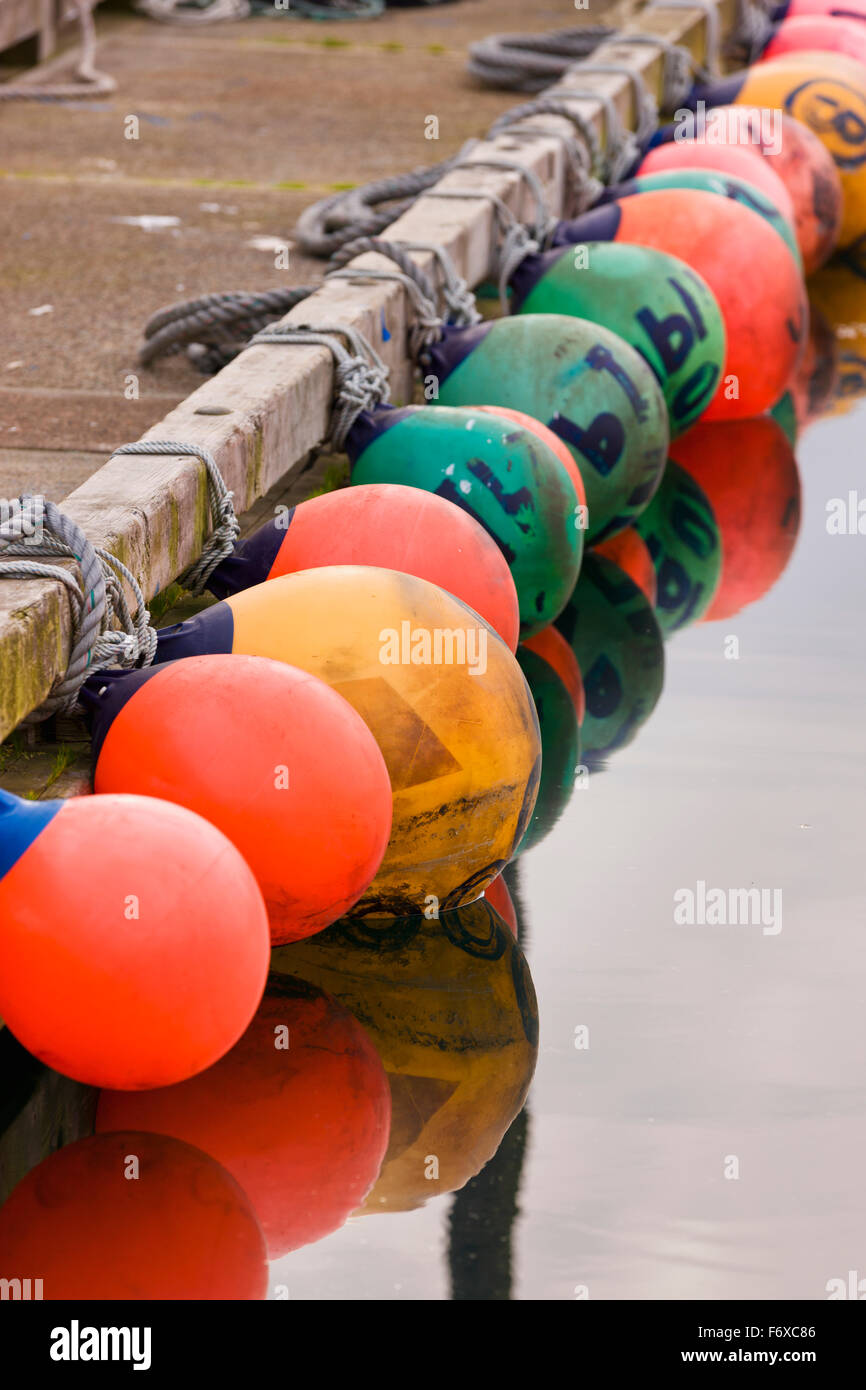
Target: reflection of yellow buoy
(839, 293)
(451, 1010)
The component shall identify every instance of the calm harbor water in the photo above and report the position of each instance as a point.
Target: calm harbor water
(713, 1050)
(696, 1125)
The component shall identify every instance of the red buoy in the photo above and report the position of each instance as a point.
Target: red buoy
(274, 757)
(133, 938)
(132, 1216)
(393, 527)
(743, 161)
(299, 1112)
(824, 33)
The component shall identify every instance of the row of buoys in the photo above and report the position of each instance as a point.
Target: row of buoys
(399, 683)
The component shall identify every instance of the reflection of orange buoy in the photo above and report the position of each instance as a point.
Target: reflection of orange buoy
(298, 1112)
(133, 938)
(748, 471)
(298, 783)
(389, 525)
(838, 292)
(814, 381)
(499, 898)
(552, 647)
(451, 1009)
(629, 550)
(742, 161)
(133, 1216)
(758, 288)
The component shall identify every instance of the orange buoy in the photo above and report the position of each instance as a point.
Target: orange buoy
(552, 647)
(440, 691)
(281, 763)
(133, 938)
(299, 1112)
(741, 161)
(749, 473)
(389, 525)
(806, 169)
(629, 550)
(827, 92)
(758, 289)
(133, 1216)
(546, 435)
(824, 33)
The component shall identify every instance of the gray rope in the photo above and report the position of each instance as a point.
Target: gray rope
(530, 62)
(584, 155)
(621, 148)
(752, 30)
(425, 324)
(216, 324)
(89, 82)
(517, 243)
(97, 600)
(646, 107)
(226, 527)
(328, 224)
(680, 67)
(180, 12)
(712, 66)
(457, 295)
(360, 381)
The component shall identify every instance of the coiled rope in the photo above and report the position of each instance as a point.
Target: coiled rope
(192, 12)
(215, 327)
(38, 528)
(530, 62)
(89, 81)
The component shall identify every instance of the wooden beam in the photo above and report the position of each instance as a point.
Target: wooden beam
(152, 513)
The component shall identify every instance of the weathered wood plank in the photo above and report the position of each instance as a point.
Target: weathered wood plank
(152, 512)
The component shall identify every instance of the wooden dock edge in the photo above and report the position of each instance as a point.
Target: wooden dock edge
(152, 512)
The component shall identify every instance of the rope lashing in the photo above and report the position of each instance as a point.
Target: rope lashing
(97, 599)
(89, 81)
(680, 67)
(584, 154)
(645, 104)
(517, 243)
(712, 64)
(327, 225)
(457, 295)
(425, 325)
(226, 527)
(530, 62)
(621, 147)
(360, 376)
(216, 321)
(752, 29)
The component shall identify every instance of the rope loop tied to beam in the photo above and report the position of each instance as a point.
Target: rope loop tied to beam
(582, 147)
(226, 527)
(105, 631)
(360, 375)
(516, 240)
